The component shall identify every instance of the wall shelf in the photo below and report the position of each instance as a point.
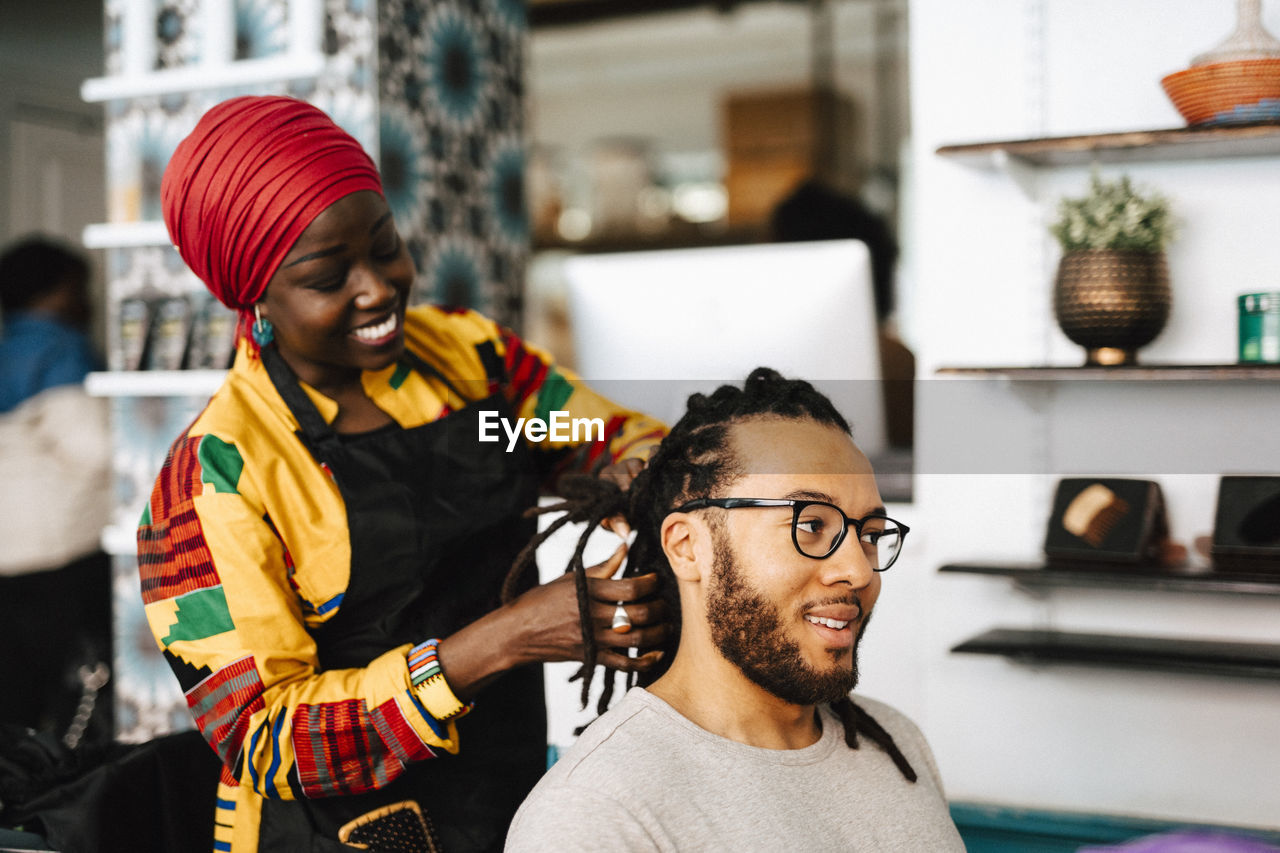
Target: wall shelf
(192, 78)
(154, 383)
(1187, 143)
(120, 540)
(1141, 372)
(559, 13)
(1205, 657)
(676, 237)
(1038, 577)
(120, 235)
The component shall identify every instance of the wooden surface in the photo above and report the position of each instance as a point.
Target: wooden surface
(1143, 372)
(1252, 140)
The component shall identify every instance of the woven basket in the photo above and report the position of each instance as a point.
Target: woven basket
(1236, 92)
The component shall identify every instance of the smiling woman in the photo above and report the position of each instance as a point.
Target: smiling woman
(323, 554)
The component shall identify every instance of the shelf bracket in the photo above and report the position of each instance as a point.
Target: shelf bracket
(1024, 175)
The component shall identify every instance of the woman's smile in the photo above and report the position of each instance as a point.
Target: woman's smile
(378, 333)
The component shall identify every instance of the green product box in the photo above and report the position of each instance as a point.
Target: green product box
(1260, 327)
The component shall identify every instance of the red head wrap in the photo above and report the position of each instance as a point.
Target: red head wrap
(245, 184)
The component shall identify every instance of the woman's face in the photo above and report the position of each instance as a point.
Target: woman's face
(337, 301)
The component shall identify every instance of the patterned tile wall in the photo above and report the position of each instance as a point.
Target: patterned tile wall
(450, 79)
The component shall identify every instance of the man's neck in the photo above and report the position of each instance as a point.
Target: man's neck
(715, 695)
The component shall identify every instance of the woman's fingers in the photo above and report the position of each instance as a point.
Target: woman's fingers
(620, 661)
(609, 566)
(639, 613)
(650, 637)
(618, 524)
(625, 590)
(603, 586)
(622, 473)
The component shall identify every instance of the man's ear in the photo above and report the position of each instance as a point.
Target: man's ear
(681, 536)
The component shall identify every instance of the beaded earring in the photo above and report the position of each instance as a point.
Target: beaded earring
(263, 332)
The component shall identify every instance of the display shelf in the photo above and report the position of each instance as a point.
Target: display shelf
(119, 540)
(120, 235)
(154, 383)
(559, 13)
(678, 236)
(1039, 577)
(1187, 143)
(1205, 657)
(246, 72)
(1141, 372)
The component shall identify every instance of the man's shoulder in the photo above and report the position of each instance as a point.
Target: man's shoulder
(595, 785)
(640, 734)
(629, 731)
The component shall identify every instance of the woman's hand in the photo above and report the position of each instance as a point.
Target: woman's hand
(552, 629)
(542, 626)
(621, 473)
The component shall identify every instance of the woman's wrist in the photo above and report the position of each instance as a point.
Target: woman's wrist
(476, 654)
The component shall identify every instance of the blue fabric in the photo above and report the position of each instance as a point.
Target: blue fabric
(37, 353)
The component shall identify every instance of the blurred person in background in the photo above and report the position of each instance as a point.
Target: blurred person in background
(44, 292)
(54, 488)
(815, 211)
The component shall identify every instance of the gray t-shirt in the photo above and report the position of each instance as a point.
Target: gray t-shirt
(643, 777)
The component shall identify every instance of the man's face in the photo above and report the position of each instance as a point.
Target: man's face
(791, 623)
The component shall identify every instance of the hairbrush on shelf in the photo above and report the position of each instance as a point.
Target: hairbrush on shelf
(1106, 521)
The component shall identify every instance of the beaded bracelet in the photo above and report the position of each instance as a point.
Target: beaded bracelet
(429, 683)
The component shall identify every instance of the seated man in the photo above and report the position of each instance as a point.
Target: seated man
(767, 521)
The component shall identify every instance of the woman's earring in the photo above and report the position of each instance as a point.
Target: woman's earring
(263, 332)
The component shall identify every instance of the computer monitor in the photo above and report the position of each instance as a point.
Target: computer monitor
(649, 328)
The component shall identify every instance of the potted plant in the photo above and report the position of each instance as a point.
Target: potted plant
(1111, 295)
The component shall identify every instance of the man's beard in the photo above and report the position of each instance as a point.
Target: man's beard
(747, 630)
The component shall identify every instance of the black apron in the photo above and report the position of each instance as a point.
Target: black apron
(435, 523)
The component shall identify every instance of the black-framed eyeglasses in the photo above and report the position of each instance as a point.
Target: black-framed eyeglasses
(818, 528)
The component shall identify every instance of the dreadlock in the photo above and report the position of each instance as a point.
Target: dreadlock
(690, 463)
(585, 499)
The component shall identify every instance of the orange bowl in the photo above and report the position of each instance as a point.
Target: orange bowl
(1236, 92)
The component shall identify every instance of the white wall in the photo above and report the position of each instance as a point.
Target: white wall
(989, 454)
